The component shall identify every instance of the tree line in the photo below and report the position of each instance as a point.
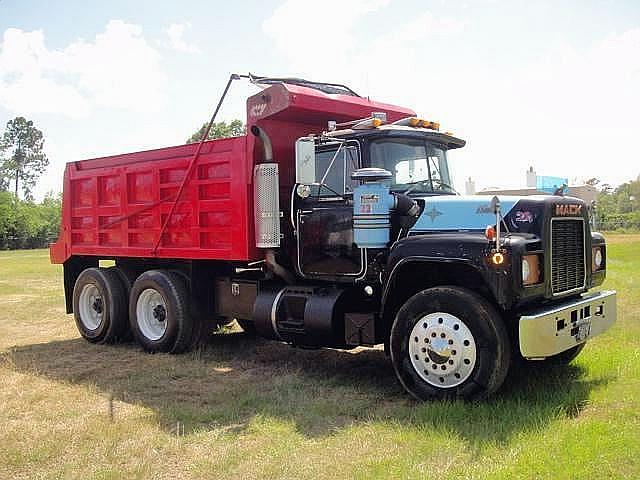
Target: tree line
(25, 223)
(618, 208)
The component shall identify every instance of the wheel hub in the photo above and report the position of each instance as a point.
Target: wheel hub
(151, 314)
(442, 349)
(97, 305)
(90, 306)
(439, 351)
(159, 313)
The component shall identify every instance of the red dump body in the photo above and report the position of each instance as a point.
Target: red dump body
(116, 206)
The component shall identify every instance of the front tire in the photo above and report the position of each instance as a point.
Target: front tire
(449, 342)
(160, 313)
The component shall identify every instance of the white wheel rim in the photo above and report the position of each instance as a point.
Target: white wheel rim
(442, 350)
(151, 313)
(91, 306)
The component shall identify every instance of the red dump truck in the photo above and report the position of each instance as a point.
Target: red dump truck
(332, 223)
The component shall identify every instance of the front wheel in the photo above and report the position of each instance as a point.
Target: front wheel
(449, 342)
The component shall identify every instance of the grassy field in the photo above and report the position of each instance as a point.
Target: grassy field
(247, 408)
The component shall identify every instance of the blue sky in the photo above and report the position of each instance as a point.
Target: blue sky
(549, 84)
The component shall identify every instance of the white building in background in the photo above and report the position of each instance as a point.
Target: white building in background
(585, 192)
(532, 178)
(470, 187)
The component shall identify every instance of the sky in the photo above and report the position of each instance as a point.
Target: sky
(549, 84)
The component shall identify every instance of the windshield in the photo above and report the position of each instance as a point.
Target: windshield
(416, 164)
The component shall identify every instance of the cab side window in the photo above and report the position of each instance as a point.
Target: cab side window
(334, 166)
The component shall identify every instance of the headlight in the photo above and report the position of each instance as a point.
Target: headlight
(597, 262)
(531, 273)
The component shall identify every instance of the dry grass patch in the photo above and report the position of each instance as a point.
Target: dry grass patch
(249, 408)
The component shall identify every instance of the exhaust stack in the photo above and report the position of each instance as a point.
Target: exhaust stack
(266, 196)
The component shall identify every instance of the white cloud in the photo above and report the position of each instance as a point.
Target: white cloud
(175, 32)
(313, 40)
(570, 113)
(118, 69)
(337, 42)
(567, 111)
(424, 26)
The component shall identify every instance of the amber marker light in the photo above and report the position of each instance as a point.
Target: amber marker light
(490, 233)
(497, 258)
(376, 122)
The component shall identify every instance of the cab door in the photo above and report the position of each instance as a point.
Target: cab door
(324, 218)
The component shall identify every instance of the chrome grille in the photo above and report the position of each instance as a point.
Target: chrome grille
(567, 255)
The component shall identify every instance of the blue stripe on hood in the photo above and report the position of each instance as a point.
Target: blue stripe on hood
(460, 212)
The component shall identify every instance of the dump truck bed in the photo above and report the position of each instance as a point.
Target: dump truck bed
(116, 206)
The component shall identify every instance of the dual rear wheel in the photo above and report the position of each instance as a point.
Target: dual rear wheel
(155, 308)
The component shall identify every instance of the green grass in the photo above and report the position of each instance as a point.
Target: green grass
(256, 409)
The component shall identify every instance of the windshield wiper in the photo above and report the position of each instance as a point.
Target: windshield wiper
(446, 185)
(415, 185)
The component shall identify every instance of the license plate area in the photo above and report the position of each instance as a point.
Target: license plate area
(577, 322)
(581, 332)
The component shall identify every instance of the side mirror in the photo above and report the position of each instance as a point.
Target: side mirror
(305, 160)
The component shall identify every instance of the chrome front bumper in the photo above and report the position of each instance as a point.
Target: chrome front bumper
(554, 329)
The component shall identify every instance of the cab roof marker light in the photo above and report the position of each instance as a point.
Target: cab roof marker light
(407, 122)
(430, 125)
(367, 124)
(375, 120)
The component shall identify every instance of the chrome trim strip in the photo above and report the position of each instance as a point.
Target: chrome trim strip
(361, 216)
(374, 226)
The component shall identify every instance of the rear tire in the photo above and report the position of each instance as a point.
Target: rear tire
(100, 305)
(449, 342)
(128, 277)
(160, 312)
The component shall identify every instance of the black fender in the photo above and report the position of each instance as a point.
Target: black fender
(458, 258)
